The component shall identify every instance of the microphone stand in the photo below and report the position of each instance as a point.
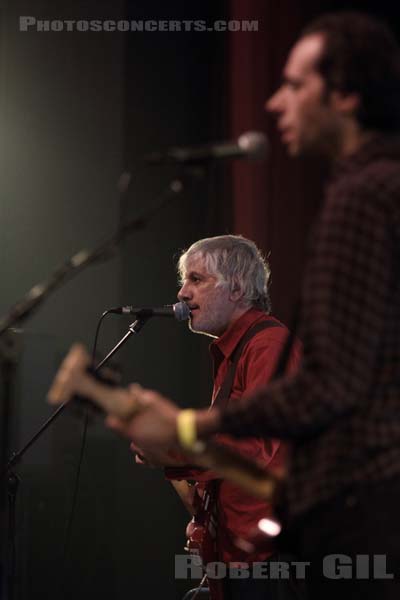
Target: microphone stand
(19, 312)
(13, 480)
(81, 260)
(134, 327)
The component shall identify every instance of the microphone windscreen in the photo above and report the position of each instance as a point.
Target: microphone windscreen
(254, 144)
(182, 311)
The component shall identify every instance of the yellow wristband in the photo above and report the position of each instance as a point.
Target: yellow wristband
(186, 428)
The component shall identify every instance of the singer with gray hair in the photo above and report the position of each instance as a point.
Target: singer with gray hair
(224, 281)
(233, 260)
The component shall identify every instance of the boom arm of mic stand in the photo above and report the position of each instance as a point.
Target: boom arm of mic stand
(37, 295)
(135, 327)
(82, 259)
(21, 310)
(13, 480)
(77, 263)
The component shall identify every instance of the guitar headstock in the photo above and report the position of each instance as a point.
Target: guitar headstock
(70, 376)
(75, 380)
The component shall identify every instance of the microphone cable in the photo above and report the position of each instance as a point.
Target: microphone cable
(70, 520)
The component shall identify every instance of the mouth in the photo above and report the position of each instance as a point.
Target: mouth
(286, 134)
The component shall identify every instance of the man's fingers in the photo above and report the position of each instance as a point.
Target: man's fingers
(144, 398)
(115, 424)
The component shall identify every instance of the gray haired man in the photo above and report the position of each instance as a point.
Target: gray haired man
(224, 281)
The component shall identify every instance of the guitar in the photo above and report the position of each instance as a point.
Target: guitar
(73, 381)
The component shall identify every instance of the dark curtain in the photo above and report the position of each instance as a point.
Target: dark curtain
(273, 201)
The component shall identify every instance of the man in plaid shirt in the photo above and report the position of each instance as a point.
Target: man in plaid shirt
(340, 97)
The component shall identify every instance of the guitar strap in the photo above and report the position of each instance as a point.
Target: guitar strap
(207, 503)
(225, 390)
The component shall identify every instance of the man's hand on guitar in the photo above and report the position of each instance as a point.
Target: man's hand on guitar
(154, 423)
(150, 421)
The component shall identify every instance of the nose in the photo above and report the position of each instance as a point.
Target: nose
(184, 293)
(273, 104)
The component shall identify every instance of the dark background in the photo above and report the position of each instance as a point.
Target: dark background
(78, 109)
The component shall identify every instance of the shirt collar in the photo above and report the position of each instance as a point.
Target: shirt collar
(228, 341)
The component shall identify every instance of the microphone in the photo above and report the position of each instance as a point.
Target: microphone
(252, 145)
(180, 311)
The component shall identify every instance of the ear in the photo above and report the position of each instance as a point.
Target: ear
(346, 104)
(236, 292)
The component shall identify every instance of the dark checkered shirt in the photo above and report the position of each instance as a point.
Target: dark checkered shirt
(342, 410)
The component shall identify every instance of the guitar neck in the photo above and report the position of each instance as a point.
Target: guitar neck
(74, 379)
(185, 493)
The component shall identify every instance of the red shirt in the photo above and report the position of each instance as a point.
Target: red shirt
(238, 513)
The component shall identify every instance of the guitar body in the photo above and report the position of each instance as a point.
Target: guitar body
(201, 530)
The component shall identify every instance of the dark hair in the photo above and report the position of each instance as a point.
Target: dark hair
(361, 55)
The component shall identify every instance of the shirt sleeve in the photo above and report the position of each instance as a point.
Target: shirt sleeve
(344, 300)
